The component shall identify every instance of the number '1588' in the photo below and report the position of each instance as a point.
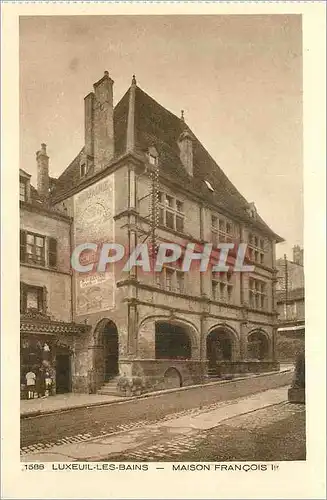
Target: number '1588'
(34, 466)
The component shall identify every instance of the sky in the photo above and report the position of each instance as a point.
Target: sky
(238, 79)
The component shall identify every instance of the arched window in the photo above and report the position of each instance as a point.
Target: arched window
(257, 346)
(172, 341)
(220, 345)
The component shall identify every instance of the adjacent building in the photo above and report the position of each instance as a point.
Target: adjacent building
(48, 332)
(291, 305)
(143, 176)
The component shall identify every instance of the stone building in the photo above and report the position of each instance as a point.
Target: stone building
(47, 329)
(143, 176)
(290, 296)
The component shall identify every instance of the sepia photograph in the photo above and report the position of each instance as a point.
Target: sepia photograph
(172, 150)
(160, 200)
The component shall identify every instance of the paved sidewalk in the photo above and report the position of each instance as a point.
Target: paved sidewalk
(101, 447)
(61, 402)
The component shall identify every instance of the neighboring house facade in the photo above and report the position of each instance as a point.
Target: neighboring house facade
(47, 330)
(142, 176)
(291, 305)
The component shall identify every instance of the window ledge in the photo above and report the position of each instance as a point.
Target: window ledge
(45, 268)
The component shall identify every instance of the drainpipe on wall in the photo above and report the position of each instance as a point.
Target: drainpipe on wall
(72, 287)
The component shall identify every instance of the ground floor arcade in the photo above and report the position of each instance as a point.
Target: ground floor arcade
(170, 351)
(163, 352)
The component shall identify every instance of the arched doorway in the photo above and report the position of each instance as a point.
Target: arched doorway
(110, 350)
(106, 362)
(172, 379)
(172, 341)
(258, 346)
(63, 370)
(220, 346)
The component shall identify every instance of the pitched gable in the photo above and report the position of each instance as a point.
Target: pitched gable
(155, 126)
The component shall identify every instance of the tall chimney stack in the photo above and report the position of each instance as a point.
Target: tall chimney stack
(89, 126)
(298, 255)
(42, 160)
(103, 122)
(185, 144)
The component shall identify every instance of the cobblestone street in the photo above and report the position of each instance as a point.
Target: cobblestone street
(241, 429)
(275, 433)
(134, 425)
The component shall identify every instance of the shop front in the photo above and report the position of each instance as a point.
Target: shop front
(46, 352)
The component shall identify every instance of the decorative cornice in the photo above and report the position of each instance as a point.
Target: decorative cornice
(37, 325)
(35, 315)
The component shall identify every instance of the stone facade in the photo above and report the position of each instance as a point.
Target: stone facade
(166, 328)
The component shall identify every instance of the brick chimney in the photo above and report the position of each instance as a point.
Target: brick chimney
(42, 160)
(185, 144)
(298, 255)
(103, 122)
(89, 126)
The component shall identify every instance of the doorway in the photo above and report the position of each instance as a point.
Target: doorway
(63, 372)
(220, 347)
(110, 351)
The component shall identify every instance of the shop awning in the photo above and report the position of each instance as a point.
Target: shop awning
(49, 327)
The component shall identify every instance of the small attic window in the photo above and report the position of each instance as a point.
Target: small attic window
(153, 156)
(83, 169)
(153, 160)
(209, 186)
(252, 211)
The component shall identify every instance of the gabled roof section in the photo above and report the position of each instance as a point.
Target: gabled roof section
(155, 126)
(70, 177)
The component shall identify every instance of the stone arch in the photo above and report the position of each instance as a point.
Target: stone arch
(172, 378)
(176, 323)
(222, 344)
(258, 344)
(106, 351)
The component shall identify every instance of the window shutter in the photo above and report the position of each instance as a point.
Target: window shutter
(22, 298)
(52, 252)
(40, 299)
(22, 246)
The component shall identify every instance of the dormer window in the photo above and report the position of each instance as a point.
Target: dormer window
(153, 156)
(252, 211)
(83, 169)
(153, 160)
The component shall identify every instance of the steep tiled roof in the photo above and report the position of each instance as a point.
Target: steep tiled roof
(158, 127)
(70, 177)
